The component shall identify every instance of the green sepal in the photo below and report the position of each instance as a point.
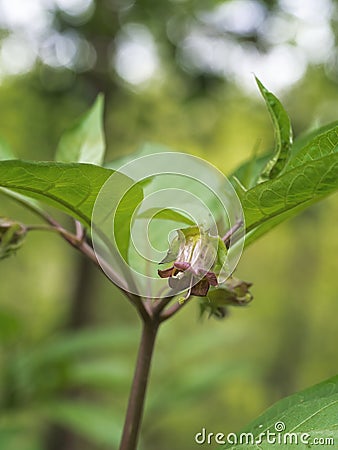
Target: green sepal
(222, 253)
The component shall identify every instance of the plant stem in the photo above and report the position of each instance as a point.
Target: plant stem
(228, 235)
(139, 386)
(173, 309)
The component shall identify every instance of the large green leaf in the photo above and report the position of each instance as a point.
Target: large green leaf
(313, 411)
(283, 134)
(72, 188)
(301, 186)
(307, 153)
(6, 153)
(323, 144)
(311, 175)
(248, 172)
(304, 138)
(262, 229)
(85, 142)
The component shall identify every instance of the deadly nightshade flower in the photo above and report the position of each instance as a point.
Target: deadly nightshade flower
(12, 235)
(198, 260)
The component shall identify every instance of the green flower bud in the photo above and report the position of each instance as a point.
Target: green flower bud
(12, 235)
(232, 292)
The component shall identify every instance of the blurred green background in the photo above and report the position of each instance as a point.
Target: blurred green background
(178, 73)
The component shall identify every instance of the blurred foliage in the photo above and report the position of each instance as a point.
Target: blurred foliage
(54, 353)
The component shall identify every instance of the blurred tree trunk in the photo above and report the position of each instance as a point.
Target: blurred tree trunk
(58, 437)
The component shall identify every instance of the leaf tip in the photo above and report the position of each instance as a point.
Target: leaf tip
(260, 85)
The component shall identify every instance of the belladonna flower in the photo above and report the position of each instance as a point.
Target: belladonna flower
(198, 259)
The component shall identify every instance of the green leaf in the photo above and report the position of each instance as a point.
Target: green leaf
(72, 188)
(85, 142)
(322, 145)
(166, 214)
(283, 135)
(308, 147)
(303, 139)
(311, 175)
(7, 154)
(313, 411)
(300, 187)
(128, 252)
(248, 172)
(262, 229)
(113, 218)
(124, 218)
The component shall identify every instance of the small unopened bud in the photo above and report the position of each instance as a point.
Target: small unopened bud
(233, 292)
(12, 235)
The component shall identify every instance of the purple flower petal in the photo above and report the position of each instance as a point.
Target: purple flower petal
(211, 277)
(182, 265)
(201, 288)
(166, 273)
